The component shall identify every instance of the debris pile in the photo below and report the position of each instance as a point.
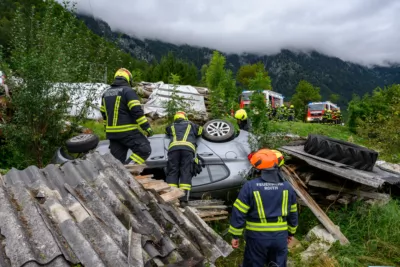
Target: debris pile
(145, 89)
(321, 182)
(207, 210)
(92, 212)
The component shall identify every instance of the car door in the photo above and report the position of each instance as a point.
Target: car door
(158, 156)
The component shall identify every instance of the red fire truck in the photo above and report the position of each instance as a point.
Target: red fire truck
(315, 110)
(271, 98)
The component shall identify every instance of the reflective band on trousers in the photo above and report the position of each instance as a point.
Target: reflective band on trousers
(121, 128)
(182, 143)
(266, 227)
(137, 158)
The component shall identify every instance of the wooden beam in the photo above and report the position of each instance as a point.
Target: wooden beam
(140, 177)
(203, 214)
(334, 187)
(157, 187)
(172, 195)
(318, 212)
(222, 207)
(215, 218)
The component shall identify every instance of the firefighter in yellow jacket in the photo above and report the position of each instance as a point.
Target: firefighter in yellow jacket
(266, 207)
(123, 115)
(181, 153)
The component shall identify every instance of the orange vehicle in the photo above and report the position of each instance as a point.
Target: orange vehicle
(315, 110)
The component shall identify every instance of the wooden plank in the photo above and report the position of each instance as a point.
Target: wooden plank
(172, 195)
(223, 207)
(318, 212)
(288, 169)
(135, 169)
(215, 218)
(203, 214)
(333, 187)
(151, 181)
(157, 187)
(140, 177)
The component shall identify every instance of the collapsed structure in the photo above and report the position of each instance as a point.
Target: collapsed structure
(94, 213)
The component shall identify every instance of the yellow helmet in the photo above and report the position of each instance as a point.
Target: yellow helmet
(125, 74)
(281, 159)
(241, 114)
(291, 106)
(180, 115)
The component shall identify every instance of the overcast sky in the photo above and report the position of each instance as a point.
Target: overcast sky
(362, 31)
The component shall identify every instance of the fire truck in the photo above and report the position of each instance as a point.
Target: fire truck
(315, 110)
(272, 98)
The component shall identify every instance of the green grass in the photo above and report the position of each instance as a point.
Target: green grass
(303, 129)
(96, 127)
(373, 232)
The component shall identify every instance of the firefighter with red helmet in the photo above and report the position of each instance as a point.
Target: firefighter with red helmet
(123, 115)
(266, 207)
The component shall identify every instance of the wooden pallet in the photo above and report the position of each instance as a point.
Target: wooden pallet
(168, 193)
(208, 210)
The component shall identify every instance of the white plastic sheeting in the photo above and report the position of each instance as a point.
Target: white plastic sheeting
(81, 93)
(161, 94)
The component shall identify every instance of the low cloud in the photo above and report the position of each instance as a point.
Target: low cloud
(361, 31)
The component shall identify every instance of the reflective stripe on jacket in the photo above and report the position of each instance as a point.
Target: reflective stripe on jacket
(121, 110)
(266, 210)
(183, 135)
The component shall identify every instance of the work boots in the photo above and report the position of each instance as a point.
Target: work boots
(183, 201)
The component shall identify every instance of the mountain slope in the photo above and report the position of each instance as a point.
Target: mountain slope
(287, 68)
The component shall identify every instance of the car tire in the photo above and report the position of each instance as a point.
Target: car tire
(218, 131)
(82, 143)
(341, 151)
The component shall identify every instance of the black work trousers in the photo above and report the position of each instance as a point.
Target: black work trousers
(179, 168)
(136, 142)
(265, 252)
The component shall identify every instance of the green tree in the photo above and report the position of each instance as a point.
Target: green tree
(376, 117)
(215, 77)
(246, 73)
(334, 98)
(176, 102)
(50, 51)
(305, 93)
(187, 72)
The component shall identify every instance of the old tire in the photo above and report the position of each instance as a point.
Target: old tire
(341, 151)
(82, 143)
(218, 131)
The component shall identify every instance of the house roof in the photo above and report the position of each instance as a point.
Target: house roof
(94, 213)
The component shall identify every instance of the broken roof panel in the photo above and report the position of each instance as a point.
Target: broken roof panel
(375, 179)
(93, 212)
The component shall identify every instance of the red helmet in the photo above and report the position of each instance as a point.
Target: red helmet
(264, 159)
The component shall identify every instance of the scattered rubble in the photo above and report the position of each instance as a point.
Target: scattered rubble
(321, 241)
(94, 213)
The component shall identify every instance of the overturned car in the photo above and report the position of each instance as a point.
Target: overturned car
(223, 151)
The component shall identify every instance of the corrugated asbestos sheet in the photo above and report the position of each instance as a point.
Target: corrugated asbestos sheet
(92, 212)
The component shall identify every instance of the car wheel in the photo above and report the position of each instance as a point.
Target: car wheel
(82, 143)
(340, 151)
(218, 131)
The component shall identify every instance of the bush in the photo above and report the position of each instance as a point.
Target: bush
(46, 50)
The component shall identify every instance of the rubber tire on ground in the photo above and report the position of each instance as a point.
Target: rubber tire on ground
(82, 143)
(224, 138)
(341, 151)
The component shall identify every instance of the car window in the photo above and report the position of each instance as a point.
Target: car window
(211, 173)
